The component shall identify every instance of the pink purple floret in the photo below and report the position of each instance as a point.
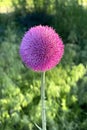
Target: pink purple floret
(41, 48)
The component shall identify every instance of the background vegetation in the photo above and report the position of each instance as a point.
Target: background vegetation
(66, 84)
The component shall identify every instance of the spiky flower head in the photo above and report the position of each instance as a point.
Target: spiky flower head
(41, 48)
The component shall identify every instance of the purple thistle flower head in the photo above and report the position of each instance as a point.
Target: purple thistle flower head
(41, 48)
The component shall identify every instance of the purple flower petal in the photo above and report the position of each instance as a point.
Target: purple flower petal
(41, 48)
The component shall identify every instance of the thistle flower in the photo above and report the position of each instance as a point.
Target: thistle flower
(41, 48)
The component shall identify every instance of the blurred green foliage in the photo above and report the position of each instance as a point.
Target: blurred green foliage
(66, 84)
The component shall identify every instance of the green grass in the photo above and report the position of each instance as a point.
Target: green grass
(7, 6)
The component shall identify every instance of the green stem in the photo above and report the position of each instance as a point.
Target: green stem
(43, 101)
